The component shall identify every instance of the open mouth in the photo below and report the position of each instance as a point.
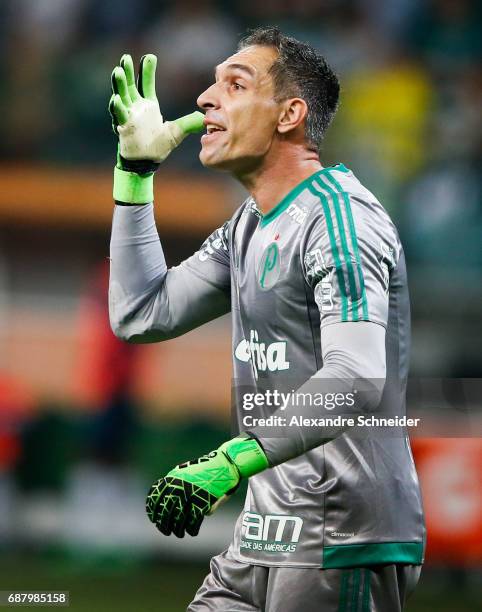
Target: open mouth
(212, 131)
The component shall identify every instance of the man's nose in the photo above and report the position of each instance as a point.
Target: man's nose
(208, 99)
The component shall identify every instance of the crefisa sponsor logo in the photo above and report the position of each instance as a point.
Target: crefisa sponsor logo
(263, 356)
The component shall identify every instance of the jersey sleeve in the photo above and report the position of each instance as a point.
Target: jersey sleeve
(349, 248)
(149, 302)
(212, 261)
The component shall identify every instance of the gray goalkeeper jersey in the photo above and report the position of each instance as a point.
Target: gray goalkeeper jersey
(327, 253)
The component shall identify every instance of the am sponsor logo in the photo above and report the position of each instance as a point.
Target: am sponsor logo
(270, 532)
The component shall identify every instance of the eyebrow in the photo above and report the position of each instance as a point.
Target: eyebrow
(241, 67)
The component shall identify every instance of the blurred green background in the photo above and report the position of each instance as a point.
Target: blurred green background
(86, 423)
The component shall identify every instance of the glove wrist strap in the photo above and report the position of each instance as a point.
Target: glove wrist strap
(247, 455)
(133, 188)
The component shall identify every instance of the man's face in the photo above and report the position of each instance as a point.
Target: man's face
(241, 113)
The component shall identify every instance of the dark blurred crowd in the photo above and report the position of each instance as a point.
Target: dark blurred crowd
(409, 121)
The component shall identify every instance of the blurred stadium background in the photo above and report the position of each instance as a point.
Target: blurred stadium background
(86, 423)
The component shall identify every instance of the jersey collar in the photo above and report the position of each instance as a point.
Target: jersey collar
(294, 193)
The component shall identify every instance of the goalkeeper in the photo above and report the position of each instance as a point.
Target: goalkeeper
(313, 272)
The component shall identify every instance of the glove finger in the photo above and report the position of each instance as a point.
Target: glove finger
(146, 83)
(119, 85)
(165, 504)
(200, 504)
(181, 493)
(194, 524)
(160, 505)
(154, 496)
(192, 123)
(127, 65)
(186, 513)
(180, 518)
(164, 514)
(112, 114)
(119, 110)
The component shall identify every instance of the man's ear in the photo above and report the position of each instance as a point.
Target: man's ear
(292, 115)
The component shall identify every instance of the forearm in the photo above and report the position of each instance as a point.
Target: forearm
(137, 269)
(147, 301)
(353, 358)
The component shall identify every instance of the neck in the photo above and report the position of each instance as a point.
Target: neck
(278, 175)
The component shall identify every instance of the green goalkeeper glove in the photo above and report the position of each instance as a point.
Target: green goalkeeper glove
(179, 502)
(145, 140)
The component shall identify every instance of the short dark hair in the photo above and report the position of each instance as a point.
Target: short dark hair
(300, 71)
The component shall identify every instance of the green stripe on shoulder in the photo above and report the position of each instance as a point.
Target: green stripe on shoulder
(344, 245)
(334, 249)
(354, 240)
